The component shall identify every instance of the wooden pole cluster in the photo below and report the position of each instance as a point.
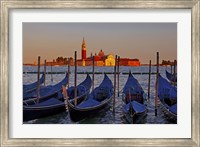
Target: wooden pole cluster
(118, 60)
(45, 69)
(68, 72)
(156, 97)
(114, 95)
(38, 78)
(149, 82)
(96, 72)
(92, 72)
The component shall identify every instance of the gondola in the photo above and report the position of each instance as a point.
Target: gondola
(171, 77)
(83, 90)
(168, 97)
(33, 86)
(98, 99)
(134, 106)
(53, 105)
(46, 91)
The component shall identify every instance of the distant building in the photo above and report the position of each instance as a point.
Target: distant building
(109, 60)
(100, 59)
(83, 50)
(129, 62)
(103, 60)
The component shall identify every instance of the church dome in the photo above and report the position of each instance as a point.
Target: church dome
(101, 53)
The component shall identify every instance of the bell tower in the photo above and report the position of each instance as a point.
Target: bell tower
(83, 49)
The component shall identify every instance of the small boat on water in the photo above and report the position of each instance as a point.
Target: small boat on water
(46, 107)
(47, 91)
(33, 86)
(167, 94)
(134, 107)
(171, 77)
(83, 90)
(98, 99)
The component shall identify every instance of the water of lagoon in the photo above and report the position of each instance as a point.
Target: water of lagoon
(105, 116)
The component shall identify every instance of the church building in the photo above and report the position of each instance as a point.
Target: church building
(103, 60)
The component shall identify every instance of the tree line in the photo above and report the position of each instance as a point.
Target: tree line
(63, 60)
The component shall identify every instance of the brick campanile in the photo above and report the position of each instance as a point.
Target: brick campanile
(83, 49)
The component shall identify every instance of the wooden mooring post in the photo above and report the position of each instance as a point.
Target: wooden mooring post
(149, 82)
(171, 74)
(68, 72)
(64, 92)
(38, 78)
(45, 69)
(118, 60)
(174, 67)
(51, 73)
(92, 73)
(157, 74)
(174, 72)
(114, 95)
(75, 79)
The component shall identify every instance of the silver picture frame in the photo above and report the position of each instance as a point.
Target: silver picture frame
(7, 5)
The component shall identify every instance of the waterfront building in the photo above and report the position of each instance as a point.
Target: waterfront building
(110, 60)
(100, 59)
(129, 62)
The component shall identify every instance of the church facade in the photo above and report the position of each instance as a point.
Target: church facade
(101, 59)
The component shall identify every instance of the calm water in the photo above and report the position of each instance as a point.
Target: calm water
(105, 116)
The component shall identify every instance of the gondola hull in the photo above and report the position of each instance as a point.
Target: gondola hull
(47, 91)
(30, 113)
(33, 86)
(134, 107)
(170, 115)
(168, 98)
(77, 114)
(97, 100)
(49, 106)
(134, 112)
(171, 77)
(136, 118)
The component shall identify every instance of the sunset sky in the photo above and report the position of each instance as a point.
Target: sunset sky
(128, 40)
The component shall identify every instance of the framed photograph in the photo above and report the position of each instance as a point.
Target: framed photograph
(139, 58)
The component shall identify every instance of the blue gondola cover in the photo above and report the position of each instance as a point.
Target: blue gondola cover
(138, 108)
(165, 89)
(173, 108)
(49, 102)
(88, 103)
(171, 77)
